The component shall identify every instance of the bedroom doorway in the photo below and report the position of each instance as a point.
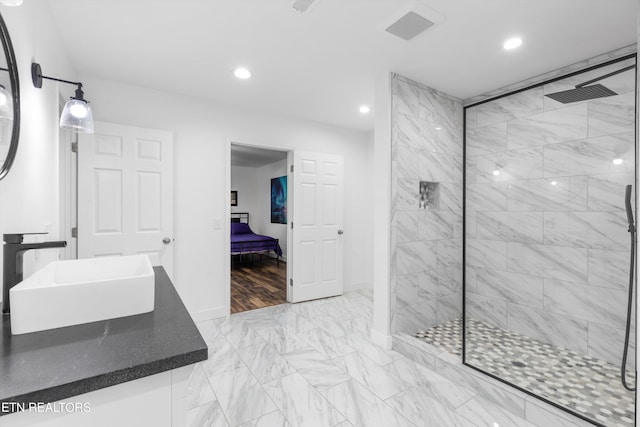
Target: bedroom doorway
(258, 252)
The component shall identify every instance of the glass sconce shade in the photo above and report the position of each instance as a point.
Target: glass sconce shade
(77, 115)
(6, 105)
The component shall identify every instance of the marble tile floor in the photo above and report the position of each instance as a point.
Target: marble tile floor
(584, 384)
(312, 364)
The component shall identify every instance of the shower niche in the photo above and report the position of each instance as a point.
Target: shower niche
(429, 195)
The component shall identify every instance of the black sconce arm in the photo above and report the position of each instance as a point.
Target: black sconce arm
(36, 77)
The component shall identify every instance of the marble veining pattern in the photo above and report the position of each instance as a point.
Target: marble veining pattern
(414, 404)
(552, 328)
(510, 165)
(491, 310)
(274, 419)
(553, 262)
(550, 194)
(608, 269)
(491, 197)
(241, 396)
(325, 343)
(426, 146)
(612, 115)
(371, 386)
(606, 191)
(525, 227)
(316, 369)
(208, 415)
(518, 105)
(487, 253)
(363, 408)
(487, 139)
(306, 406)
(434, 284)
(371, 375)
(594, 230)
(566, 124)
(606, 341)
(513, 287)
(436, 167)
(590, 303)
(590, 156)
(265, 362)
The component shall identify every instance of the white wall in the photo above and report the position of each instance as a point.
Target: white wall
(243, 180)
(29, 195)
(262, 222)
(202, 130)
(381, 332)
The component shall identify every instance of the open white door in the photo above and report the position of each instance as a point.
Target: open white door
(317, 226)
(125, 193)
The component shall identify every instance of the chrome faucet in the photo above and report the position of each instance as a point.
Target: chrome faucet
(13, 252)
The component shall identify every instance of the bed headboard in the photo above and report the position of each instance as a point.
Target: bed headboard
(240, 217)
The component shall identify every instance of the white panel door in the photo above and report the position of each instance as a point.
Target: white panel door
(317, 231)
(125, 193)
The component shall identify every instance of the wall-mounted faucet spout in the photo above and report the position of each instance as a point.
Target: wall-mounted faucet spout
(13, 252)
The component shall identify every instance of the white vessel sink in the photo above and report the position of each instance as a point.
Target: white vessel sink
(66, 293)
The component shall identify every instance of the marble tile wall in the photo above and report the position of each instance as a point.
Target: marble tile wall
(426, 270)
(547, 241)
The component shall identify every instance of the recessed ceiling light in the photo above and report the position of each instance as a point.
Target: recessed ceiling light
(554, 182)
(496, 172)
(364, 109)
(438, 127)
(617, 161)
(242, 73)
(512, 43)
(10, 3)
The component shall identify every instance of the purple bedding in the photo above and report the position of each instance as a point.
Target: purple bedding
(244, 240)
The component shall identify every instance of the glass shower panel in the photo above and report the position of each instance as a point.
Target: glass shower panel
(547, 247)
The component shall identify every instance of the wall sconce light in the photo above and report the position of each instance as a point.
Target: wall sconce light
(77, 114)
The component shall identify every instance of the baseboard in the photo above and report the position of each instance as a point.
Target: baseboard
(382, 340)
(211, 313)
(348, 287)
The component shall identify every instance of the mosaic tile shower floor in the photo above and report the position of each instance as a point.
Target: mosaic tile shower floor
(585, 385)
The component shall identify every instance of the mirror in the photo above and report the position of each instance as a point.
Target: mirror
(9, 103)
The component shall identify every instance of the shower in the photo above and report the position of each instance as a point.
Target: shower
(519, 266)
(583, 92)
(632, 230)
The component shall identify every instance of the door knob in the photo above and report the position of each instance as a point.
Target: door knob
(340, 232)
(166, 240)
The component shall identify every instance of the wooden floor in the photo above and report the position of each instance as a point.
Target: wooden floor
(256, 285)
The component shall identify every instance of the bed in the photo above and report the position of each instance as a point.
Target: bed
(245, 242)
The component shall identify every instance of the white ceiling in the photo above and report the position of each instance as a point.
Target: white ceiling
(243, 155)
(320, 65)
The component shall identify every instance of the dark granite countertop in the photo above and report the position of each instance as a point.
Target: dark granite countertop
(59, 363)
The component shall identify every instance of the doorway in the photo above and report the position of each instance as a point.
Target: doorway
(258, 229)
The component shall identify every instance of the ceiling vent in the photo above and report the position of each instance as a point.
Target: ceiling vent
(411, 21)
(304, 5)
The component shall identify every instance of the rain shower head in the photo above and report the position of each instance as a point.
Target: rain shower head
(582, 92)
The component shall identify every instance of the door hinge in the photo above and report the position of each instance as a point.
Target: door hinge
(74, 147)
(290, 282)
(292, 225)
(74, 232)
(291, 168)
